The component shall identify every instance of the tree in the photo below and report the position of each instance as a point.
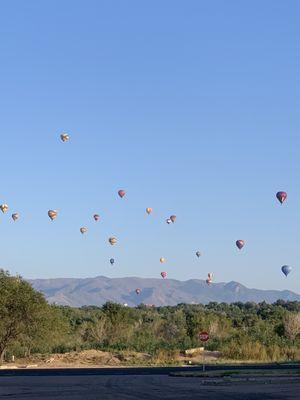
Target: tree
(291, 323)
(25, 315)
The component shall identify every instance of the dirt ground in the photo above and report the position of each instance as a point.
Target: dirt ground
(98, 358)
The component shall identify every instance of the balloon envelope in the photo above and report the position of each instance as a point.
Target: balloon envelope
(52, 214)
(137, 291)
(240, 244)
(112, 240)
(286, 269)
(148, 210)
(281, 196)
(162, 260)
(173, 218)
(4, 208)
(163, 274)
(112, 261)
(15, 216)
(96, 217)
(198, 254)
(121, 193)
(64, 137)
(168, 221)
(83, 230)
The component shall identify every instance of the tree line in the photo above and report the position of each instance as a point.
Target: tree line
(245, 331)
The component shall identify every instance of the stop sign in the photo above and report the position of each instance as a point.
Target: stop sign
(203, 336)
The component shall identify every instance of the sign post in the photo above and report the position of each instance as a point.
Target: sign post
(204, 337)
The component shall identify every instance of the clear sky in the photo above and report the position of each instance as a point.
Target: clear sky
(192, 107)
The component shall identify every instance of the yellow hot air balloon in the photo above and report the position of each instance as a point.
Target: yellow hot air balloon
(162, 260)
(4, 208)
(148, 210)
(52, 214)
(112, 240)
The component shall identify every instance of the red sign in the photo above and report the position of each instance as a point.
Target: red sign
(203, 336)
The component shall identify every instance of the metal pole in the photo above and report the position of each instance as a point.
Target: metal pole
(203, 359)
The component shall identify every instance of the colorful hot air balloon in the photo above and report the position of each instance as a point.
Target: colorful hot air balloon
(286, 269)
(52, 214)
(240, 244)
(4, 208)
(208, 281)
(112, 240)
(15, 216)
(163, 274)
(121, 193)
(137, 291)
(173, 218)
(112, 261)
(210, 275)
(64, 137)
(198, 254)
(148, 210)
(162, 260)
(168, 221)
(281, 196)
(83, 230)
(96, 217)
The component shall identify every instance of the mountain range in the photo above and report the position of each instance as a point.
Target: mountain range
(98, 290)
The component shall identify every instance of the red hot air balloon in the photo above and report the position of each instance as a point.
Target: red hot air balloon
(163, 274)
(281, 196)
(240, 244)
(121, 193)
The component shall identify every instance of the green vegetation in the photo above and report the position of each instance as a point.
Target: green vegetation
(240, 331)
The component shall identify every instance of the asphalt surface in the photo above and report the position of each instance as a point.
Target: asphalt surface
(142, 384)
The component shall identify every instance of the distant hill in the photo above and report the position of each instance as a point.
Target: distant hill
(98, 290)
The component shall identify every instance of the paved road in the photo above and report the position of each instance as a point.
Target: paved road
(144, 384)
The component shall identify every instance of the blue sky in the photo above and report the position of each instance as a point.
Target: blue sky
(192, 107)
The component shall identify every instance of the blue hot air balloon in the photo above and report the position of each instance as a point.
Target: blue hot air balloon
(286, 269)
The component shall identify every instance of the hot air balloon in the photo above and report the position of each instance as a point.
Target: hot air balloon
(4, 208)
(162, 260)
(168, 221)
(209, 278)
(163, 274)
(240, 244)
(281, 196)
(112, 261)
(15, 216)
(198, 254)
(83, 230)
(148, 210)
(173, 218)
(52, 214)
(121, 193)
(137, 291)
(286, 269)
(64, 137)
(112, 240)
(96, 217)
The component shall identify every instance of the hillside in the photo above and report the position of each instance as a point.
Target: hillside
(98, 290)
